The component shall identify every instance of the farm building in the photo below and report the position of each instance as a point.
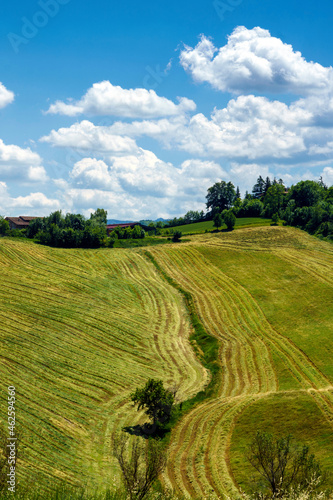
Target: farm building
(21, 222)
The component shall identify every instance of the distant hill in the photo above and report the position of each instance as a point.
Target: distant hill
(143, 221)
(116, 221)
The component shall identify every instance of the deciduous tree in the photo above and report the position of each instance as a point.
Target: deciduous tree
(155, 400)
(282, 465)
(220, 196)
(140, 464)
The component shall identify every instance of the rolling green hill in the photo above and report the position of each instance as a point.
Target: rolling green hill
(80, 329)
(201, 227)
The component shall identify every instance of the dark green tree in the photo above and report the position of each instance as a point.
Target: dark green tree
(34, 227)
(229, 219)
(275, 219)
(4, 225)
(306, 193)
(75, 221)
(100, 215)
(217, 220)
(259, 188)
(176, 236)
(155, 400)
(267, 185)
(274, 199)
(56, 218)
(221, 196)
(191, 216)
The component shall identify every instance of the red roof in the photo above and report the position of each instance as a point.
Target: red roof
(128, 224)
(23, 220)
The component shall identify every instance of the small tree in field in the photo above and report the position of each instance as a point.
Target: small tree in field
(176, 236)
(275, 219)
(282, 465)
(140, 464)
(229, 219)
(157, 401)
(217, 220)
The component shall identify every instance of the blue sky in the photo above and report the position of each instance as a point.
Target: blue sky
(140, 107)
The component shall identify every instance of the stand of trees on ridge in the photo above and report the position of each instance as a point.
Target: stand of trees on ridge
(307, 204)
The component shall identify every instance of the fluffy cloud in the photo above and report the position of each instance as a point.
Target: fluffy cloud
(20, 164)
(253, 60)
(6, 96)
(103, 98)
(86, 136)
(34, 203)
(327, 176)
(141, 185)
(249, 127)
(35, 200)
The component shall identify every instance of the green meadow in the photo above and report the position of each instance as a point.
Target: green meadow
(81, 329)
(201, 227)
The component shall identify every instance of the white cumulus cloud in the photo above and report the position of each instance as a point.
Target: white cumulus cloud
(20, 164)
(141, 184)
(6, 96)
(253, 60)
(248, 127)
(103, 98)
(87, 136)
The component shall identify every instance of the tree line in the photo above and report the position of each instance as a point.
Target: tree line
(307, 205)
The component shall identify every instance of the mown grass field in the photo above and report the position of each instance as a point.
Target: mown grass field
(266, 294)
(201, 227)
(80, 329)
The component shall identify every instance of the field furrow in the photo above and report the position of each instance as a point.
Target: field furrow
(79, 331)
(248, 341)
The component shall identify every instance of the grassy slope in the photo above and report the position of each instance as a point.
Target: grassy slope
(201, 227)
(266, 294)
(290, 276)
(79, 331)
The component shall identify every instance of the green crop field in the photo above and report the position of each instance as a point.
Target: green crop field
(81, 329)
(201, 227)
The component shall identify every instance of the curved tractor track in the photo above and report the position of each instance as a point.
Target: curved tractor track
(199, 462)
(79, 331)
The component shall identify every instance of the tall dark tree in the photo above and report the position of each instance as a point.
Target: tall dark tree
(258, 188)
(267, 185)
(237, 195)
(221, 196)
